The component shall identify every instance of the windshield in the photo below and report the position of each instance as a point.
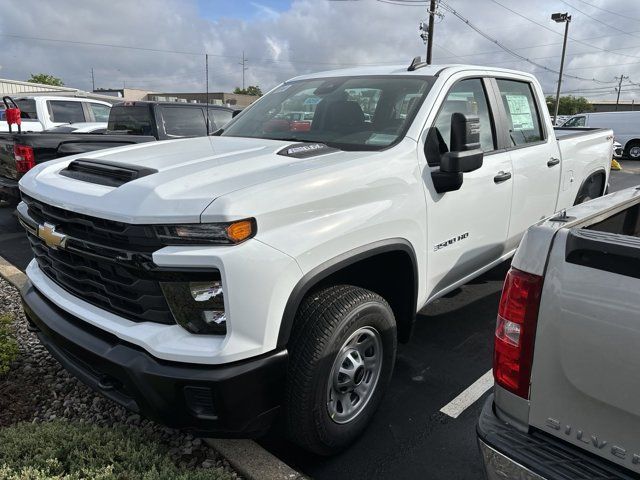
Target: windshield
(351, 113)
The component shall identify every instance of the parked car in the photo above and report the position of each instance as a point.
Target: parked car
(625, 126)
(565, 361)
(210, 283)
(40, 113)
(618, 150)
(95, 127)
(129, 123)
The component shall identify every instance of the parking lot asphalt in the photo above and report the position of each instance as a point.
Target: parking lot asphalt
(409, 437)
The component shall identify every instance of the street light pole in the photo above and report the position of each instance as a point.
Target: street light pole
(559, 18)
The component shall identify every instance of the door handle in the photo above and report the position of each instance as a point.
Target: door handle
(553, 162)
(502, 177)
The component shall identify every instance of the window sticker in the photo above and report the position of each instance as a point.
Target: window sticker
(312, 100)
(521, 116)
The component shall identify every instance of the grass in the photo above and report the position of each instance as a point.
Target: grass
(62, 450)
(8, 344)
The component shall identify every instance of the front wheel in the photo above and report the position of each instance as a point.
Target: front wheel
(342, 354)
(633, 150)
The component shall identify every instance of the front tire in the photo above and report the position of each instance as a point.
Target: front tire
(341, 358)
(632, 150)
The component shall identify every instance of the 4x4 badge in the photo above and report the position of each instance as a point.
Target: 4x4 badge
(53, 239)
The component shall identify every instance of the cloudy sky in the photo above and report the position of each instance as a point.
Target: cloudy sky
(160, 44)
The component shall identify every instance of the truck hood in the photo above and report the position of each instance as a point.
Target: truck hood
(191, 173)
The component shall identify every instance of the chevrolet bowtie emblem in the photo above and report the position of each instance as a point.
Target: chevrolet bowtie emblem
(53, 239)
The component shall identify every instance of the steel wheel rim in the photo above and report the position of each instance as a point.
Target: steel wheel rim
(634, 152)
(354, 375)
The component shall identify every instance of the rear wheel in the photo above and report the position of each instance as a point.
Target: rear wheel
(633, 150)
(342, 354)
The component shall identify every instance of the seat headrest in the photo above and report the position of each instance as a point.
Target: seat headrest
(342, 115)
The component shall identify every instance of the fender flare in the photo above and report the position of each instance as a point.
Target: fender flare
(322, 271)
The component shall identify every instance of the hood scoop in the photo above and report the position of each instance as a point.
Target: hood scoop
(105, 173)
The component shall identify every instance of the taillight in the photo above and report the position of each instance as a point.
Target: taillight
(25, 160)
(516, 330)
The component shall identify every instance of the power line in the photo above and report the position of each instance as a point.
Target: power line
(449, 9)
(598, 20)
(180, 52)
(558, 33)
(627, 17)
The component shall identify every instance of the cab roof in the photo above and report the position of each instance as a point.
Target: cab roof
(421, 71)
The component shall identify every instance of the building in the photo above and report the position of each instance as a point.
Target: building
(610, 105)
(215, 98)
(18, 88)
(129, 94)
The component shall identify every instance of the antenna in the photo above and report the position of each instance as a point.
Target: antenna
(416, 63)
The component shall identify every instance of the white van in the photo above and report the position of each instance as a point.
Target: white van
(625, 126)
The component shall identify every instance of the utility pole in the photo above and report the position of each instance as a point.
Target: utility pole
(426, 31)
(621, 77)
(559, 18)
(244, 67)
(206, 73)
(93, 81)
(432, 14)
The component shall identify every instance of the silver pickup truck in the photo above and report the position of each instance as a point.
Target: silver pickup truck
(566, 403)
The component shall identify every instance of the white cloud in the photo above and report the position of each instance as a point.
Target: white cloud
(312, 35)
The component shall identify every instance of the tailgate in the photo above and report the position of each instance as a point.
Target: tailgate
(585, 383)
(7, 161)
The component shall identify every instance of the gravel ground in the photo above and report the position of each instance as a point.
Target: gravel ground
(38, 389)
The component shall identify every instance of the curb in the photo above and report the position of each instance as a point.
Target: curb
(247, 457)
(252, 461)
(11, 274)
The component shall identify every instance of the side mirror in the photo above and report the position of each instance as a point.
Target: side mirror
(464, 155)
(235, 113)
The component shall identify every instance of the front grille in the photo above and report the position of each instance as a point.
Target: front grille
(105, 263)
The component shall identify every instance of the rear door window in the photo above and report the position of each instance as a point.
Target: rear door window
(63, 111)
(27, 108)
(134, 120)
(522, 112)
(100, 112)
(184, 121)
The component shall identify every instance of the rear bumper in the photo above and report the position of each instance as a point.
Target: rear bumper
(510, 453)
(9, 189)
(234, 400)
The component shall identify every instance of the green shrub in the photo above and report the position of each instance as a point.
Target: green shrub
(8, 344)
(62, 450)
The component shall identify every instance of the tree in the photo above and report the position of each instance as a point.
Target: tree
(250, 90)
(45, 79)
(569, 105)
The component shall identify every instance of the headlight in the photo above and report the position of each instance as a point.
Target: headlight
(224, 233)
(197, 306)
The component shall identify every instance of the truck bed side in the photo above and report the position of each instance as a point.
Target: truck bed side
(49, 146)
(584, 153)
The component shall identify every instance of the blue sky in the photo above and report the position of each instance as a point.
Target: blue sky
(242, 10)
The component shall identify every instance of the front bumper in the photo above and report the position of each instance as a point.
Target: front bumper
(235, 400)
(509, 453)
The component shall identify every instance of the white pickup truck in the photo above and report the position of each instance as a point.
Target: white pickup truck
(42, 112)
(565, 404)
(209, 282)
